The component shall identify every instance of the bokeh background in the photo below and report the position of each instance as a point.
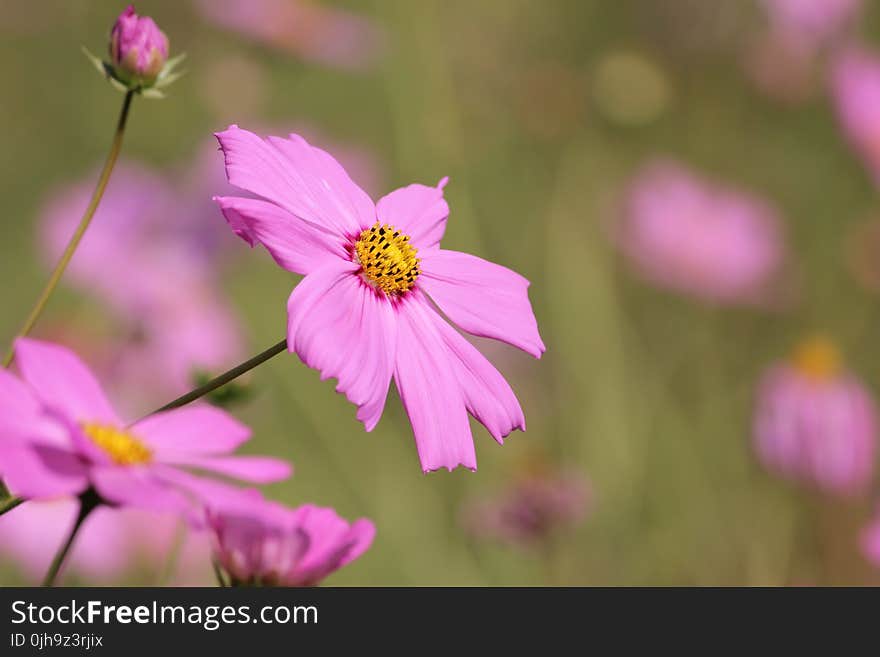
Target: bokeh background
(541, 113)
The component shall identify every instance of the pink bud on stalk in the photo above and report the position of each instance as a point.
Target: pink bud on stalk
(138, 48)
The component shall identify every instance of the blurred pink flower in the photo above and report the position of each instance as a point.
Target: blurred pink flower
(112, 544)
(152, 256)
(856, 91)
(264, 543)
(532, 509)
(138, 48)
(329, 36)
(870, 542)
(59, 435)
(816, 423)
(813, 21)
(361, 313)
(693, 236)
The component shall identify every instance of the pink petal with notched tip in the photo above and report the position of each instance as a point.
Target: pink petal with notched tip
(291, 242)
(62, 381)
(340, 326)
(300, 178)
(418, 211)
(482, 298)
(488, 396)
(429, 390)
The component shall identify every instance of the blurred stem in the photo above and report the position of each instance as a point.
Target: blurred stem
(9, 503)
(58, 272)
(89, 501)
(218, 573)
(225, 378)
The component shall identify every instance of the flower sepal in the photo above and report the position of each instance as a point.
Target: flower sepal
(123, 82)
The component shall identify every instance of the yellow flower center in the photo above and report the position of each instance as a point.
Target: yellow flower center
(387, 258)
(122, 447)
(817, 358)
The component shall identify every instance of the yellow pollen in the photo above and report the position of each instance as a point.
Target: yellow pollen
(122, 447)
(817, 358)
(388, 259)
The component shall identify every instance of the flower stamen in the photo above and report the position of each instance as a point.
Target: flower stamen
(122, 447)
(387, 258)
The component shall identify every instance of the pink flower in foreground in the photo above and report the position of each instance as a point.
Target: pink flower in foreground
(362, 313)
(855, 85)
(531, 510)
(60, 436)
(264, 543)
(112, 544)
(138, 48)
(323, 34)
(699, 238)
(816, 423)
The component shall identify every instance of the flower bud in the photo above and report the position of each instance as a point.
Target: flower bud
(138, 48)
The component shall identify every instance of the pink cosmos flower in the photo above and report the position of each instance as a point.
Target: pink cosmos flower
(334, 37)
(60, 436)
(532, 509)
(816, 423)
(362, 313)
(855, 85)
(263, 543)
(112, 544)
(700, 238)
(138, 48)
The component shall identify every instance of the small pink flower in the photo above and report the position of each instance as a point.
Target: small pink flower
(138, 48)
(816, 423)
(112, 544)
(263, 543)
(700, 238)
(60, 436)
(334, 37)
(362, 313)
(531, 510)
(855, 84)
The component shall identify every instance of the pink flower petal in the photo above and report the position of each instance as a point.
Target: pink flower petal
(137, 487)
(295, 245)
(487, 394)
(418, 211)
(300, 178)
(41, 471)
(62, 381)
(256, 469)
(483, 298)
(332, 542)
(18, 406)
(198, 429)
(430, 392)
(340, 326)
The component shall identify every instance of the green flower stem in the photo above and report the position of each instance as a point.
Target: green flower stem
(9, 503)
(115, 147)
(225, 378)
(88, 502)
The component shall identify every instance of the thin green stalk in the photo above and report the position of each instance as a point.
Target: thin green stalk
(89, 501)
(225, 378)
(58, 272)
(9, 504)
